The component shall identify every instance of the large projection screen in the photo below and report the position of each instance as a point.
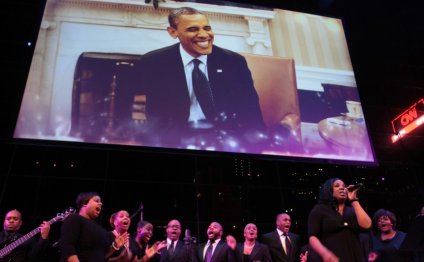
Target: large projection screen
(86, 82)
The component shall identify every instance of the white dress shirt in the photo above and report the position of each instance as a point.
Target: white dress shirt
(283, 239)
(196, 112)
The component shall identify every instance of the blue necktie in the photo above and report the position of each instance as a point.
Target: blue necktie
(208, 255)
(171, 248)
(203, 91)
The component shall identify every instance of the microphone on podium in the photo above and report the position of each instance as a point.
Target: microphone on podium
(139, 210)
(187, 237)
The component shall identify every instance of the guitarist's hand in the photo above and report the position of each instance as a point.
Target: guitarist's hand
(45, 229)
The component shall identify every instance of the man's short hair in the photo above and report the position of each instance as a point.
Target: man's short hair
(17, 211)
(177, 12)
(280, 214)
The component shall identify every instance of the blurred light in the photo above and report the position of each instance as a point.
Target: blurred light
(29, 43)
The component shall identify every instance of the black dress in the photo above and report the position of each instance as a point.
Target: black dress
(139, 250)
(85, 238)
(260, 253)
(338, 233)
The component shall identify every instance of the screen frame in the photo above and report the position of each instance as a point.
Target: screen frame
(203, 152)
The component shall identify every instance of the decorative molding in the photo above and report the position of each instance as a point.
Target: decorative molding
(136, 13)
(106, 4)
(45, 25)
(208, 8)
(259, 38)
(312, 78)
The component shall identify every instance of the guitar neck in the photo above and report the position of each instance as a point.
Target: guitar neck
(8, 249)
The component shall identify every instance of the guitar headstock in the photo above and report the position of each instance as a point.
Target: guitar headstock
(62, 216)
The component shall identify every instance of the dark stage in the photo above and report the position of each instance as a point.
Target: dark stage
(42, 178)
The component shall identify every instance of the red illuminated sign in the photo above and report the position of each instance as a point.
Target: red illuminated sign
(409, 120)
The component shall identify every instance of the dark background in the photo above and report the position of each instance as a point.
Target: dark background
(386, 44)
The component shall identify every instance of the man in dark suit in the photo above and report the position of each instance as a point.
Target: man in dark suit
(215, 249)
(174, 106)
(176, 250)
(28, 250)
(283, 245)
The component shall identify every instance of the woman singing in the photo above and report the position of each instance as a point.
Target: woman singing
(120, 222)
(82, 239)
(335, 222)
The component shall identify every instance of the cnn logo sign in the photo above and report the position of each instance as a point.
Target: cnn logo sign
(408, 116)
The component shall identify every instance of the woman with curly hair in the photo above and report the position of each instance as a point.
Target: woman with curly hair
(387, 242)
(335, 222)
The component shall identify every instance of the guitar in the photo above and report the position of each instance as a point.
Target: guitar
(9, 248)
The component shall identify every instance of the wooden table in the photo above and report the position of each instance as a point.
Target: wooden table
(344, 132)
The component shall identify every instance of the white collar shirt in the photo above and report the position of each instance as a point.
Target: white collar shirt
(283, 239)
(196, 112)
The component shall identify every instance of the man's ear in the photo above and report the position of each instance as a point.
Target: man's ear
(172, 32)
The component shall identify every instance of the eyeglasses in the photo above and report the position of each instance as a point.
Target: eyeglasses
(174, 226)
(383, 219)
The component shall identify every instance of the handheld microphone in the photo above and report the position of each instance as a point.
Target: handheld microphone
(355, 187)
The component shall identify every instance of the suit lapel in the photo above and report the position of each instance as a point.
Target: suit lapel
(176, 70)
(278, 240)
(178, 249)
(201, 255)
(240, 247)
(175, 83)
(216, 72)
(217, 251)
(255, 250)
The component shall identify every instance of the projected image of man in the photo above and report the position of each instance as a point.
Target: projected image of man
(195, 84)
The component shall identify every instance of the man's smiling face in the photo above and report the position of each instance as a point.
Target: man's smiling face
(195, 34)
